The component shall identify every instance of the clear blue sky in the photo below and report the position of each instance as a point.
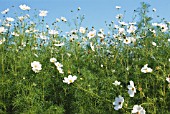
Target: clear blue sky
(96, 11)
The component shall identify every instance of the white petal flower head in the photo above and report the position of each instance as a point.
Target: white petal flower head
(53, 32)
(146, 69)
(5, 11)
(118, 7)
(36, 66)
(91, 34)
(53, 60)
(43, 13)
(132, 29)
(57, 20)
(118, 102)
(82, 30)
(70, 79)
(63, 19)
(60, 44)
(168, 79)
(24, 7)
(58, 65)
(92, 46)
(153, 43)
(2, 29)
(10, 19)
(137, 109)
(127, 40)
(132, 89)
(116, 83)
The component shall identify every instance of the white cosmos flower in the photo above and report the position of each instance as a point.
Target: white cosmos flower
(57, 19)
(132, 89)
(70, 79)
(127, 40)
(2, 41)
(154, 9)
(132, 29)
(36, 66)
(146, 69)
(118, 7)
(153, 43)
(91, 34)
(168, 79)
(58, 65)
(10, 19)
(60, 70)
(137, 109)
(61, 44)
(2, 29)
(164, 27)
(92, 46)
(116, 83)
(121, 30)
(119, 16)
(63, 19)
(5, 11)
(24, 7)
(43, 13)
(118, 102)
(14, 34)
(82, 30)
(53, 32)
(53, 60)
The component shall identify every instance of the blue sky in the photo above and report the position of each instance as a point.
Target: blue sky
(96, 11)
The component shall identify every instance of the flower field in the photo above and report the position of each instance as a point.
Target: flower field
(44, 70)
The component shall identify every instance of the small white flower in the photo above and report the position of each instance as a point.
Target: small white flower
(92, 46)
(53, 60)
(168, 40)
(131, 29)
(132, 89)
(137, 109)
(79, 8)
(118, 102)
(116, 83)
(57, 20)
(121, 30)
(58, 65)
(168, 79)
(127, 40)
(24, 7)
(91, 34)
(70, 79)
(2, 41)
(82, 30)
(59, 45)
(5, 11)
(63, 19)
(43, 13)
(53, 32)
(36, 66)
(153, 43)
(163, 27)
(10, 19)
(60, 70)
(154, 9)
(2, 29)
(14, 34)
(119, 16)
(118, 7)
(146, 69)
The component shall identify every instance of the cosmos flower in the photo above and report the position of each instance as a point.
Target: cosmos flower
(2, 29)
(137, 109)
(118, 7)
(168, 79)
(10, 19)
(146, 69)
(57, 20)
(5, 11)
(91, 34)
(70, 79)
(24, 7)
(59, 45)
(131, 29)
(36, 66)
(63, 19)
(118, 102)
(116, 83)
(43, 13)
(82, 30)
(53, 32)
(132, 89)
(53, 60)
(127, 40)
